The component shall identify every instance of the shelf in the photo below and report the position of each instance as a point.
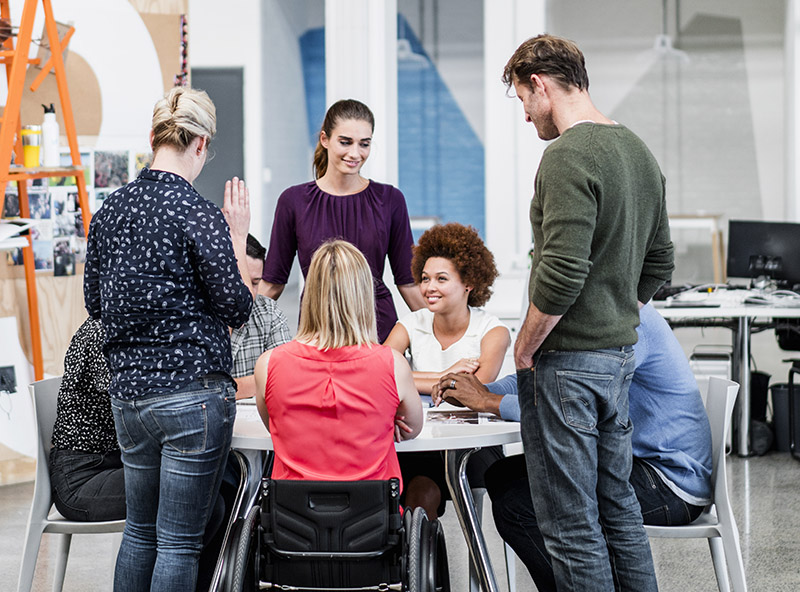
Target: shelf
(20, 173)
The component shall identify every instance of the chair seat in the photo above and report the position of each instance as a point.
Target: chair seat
(705, 526)
(61, 525)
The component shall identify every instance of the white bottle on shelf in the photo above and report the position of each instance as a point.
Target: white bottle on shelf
(51, 156)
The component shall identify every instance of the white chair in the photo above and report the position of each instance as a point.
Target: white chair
(43, 517)
(716, 523)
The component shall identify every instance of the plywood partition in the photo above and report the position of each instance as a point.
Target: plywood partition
(61, 312)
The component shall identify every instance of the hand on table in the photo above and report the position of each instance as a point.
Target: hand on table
(463, 390)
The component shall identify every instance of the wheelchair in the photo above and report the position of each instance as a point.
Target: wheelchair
(333, 536)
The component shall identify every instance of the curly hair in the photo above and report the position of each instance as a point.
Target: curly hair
(463, 247)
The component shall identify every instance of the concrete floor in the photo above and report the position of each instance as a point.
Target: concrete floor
(765, 494)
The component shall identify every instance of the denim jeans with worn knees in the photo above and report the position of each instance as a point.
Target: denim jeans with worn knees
(577, 438)
(174, 448)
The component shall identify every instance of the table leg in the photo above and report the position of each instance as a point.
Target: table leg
(455, 462)
(743, 416)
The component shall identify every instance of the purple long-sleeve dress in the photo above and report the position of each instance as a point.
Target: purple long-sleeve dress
(375, 220)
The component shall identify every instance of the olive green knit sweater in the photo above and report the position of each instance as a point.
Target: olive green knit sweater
(601, 236)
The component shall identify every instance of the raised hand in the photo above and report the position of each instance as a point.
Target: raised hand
(236, 208)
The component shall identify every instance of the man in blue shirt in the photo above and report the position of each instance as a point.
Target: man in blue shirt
(671, 443)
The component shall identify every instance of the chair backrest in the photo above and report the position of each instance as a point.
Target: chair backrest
(44, 394)
(336, 534)
(719, 407)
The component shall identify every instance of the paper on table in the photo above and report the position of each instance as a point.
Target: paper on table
(460, 416)
(247, 412)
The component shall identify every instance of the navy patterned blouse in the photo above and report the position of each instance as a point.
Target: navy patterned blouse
(162, 276)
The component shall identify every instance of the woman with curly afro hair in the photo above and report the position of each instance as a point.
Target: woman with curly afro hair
(455, 272)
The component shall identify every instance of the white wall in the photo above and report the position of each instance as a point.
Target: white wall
(129, 81)
(616, 43)
(229, 35)
(285, 127)
(512, 149)
(261, 37)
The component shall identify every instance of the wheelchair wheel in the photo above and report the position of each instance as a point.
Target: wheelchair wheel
(243, 560)
(415, 551)
(437, 572)
(406, 547)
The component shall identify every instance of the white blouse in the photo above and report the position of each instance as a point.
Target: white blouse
(426, 352)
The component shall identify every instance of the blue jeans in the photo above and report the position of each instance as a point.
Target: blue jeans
(577, 438)
(174, 448)
(507, 484)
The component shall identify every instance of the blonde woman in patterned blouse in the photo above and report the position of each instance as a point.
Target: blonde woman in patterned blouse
(167, 276)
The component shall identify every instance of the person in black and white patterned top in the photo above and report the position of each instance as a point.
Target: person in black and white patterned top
(85, 464)
(166, 274)
(267, 327)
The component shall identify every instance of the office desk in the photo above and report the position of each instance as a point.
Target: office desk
(740, 319)
(458, 441)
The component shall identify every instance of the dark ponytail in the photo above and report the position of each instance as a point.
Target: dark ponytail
(320, 165)
(339, 111)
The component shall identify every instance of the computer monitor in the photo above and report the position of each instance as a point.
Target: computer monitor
(765, 249)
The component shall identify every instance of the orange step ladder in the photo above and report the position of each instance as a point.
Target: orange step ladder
(16, 60)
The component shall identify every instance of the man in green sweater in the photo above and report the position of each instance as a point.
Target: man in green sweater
(601, 246)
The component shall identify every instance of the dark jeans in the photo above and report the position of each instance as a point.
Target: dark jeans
(507, 483)
(88, 486)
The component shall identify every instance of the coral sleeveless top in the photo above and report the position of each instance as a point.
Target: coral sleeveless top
(331, 413)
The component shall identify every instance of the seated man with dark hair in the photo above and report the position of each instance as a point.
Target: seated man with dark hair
(267, 327)
(671, 441)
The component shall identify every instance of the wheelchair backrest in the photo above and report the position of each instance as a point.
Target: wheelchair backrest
(331, 534)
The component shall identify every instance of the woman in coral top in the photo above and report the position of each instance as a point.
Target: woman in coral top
(335, 401)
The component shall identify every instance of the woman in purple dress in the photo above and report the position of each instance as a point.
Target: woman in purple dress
(340, 203)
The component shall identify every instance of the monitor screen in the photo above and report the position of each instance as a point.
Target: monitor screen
(764, 249)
